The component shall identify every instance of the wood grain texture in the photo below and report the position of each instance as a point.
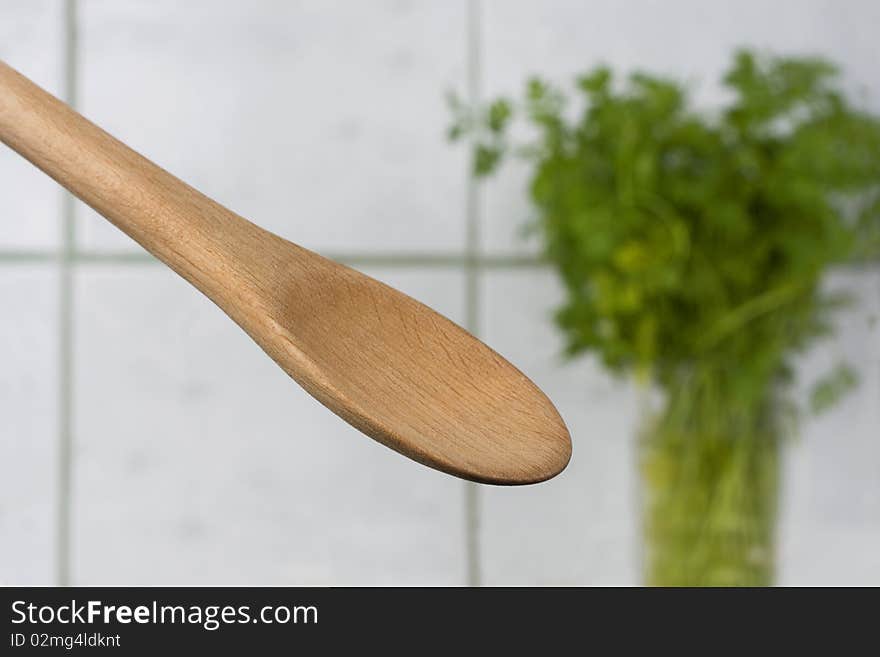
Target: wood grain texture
(390, 366)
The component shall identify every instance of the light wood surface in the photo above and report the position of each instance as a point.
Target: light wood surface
(390, 366)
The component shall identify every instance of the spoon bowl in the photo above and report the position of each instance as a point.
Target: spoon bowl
(413, 380)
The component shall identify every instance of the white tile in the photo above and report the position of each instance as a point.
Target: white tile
(321, 121)
(688, 39)
(28, 430)
(201, 462)
(580, 527)
(30, 41)
(830, 529)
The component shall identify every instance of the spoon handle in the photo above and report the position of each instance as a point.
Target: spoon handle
(179, 225)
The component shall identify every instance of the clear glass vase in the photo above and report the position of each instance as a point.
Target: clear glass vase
(710, 482)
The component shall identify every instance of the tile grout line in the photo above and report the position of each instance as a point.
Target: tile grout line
(66, 259)
(352, 259)
(365, 259)
(28, 257)
(472, 271)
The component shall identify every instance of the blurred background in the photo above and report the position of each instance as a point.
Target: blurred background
(180, 454)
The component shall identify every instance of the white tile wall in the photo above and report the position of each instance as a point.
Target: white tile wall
(580, 527)
(830, 529)
(28, 417)
(321, 121)
(687, 39)
(30, 41)
(196, 459)
(201, 462)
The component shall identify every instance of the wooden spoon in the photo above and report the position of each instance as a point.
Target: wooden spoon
(388, 365)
